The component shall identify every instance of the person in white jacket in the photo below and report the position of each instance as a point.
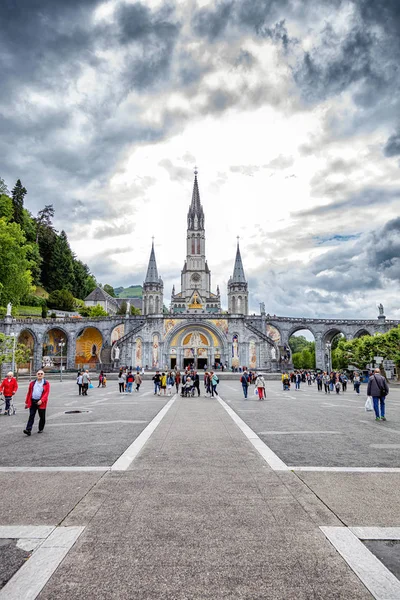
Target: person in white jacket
(260, 385)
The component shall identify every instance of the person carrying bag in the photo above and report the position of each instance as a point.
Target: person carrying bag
(378, 388)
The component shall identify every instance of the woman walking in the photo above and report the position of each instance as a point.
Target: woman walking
(260, 385)
(121, 382)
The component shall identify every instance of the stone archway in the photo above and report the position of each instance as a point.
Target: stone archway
(28, 339)
(54, 349)
(195, 343)
(361, 333)
(329, 340)
(303, 351)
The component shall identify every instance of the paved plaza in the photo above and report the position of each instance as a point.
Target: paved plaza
(141, 496)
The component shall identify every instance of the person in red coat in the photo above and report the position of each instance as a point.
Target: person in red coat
(36, 400)
(8, 387)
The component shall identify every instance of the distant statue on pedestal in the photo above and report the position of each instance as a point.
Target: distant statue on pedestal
(128, 308)
(9, 307)
(262, 308)
(273, 353)
(380, 307)
(116, 353)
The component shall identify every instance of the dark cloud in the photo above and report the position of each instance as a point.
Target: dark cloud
(368, 196)
(392, 146)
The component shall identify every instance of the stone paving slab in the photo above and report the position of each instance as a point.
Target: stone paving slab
(191, 520)
(358, 499)
(42, 498)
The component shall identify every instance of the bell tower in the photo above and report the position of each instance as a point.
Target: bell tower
(195, 292)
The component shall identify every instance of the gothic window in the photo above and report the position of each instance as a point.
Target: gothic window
(234, 305)
(157, 305)
(193, 245)
(151, 305)
(198, 245)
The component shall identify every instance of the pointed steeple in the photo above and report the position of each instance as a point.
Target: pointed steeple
(152, 273)
(238, 271)
(195, 214)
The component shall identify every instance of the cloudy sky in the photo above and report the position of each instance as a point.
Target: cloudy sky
(289, 108)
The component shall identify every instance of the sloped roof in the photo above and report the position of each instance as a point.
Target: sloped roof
(99, 295)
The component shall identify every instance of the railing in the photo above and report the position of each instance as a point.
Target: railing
(130, 334)
(261, 334)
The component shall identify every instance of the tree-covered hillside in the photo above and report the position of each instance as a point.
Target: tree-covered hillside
(34, 255)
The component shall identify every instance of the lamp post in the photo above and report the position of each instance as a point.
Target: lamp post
(61, 344)
(328, 347)
(13, 352)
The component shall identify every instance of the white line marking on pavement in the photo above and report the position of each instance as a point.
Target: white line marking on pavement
(268, 455)
(124, 461)
(348, 469)
(30, 579)
(376, 533)
(51, 469)
(93, 423)
(297, 432)
(382, 584)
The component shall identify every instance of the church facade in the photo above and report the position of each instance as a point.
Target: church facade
(194, 330)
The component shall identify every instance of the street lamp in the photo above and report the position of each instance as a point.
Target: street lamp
(13, 352)
(328, 347)
(61, 344)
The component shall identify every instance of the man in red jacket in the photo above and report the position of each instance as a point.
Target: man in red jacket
(8, 387)
(36, 400)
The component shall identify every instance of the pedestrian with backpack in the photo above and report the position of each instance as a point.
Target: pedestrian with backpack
(378, 388)
(245, 381)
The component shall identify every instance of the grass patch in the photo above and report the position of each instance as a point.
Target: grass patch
(29, 311)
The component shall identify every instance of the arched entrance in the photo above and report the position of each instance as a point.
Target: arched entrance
(26, 338)
(333, 356)
(88, 348)
(302, 348)
(55, 348)
(195, 344)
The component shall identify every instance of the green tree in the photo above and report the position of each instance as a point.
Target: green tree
(135, 311)
(6, 349)
(35, 261)
(109, 289)
(47, 242)
(6, 207)
(61, 273)
(15, 277)
(122, 308)
(92, 311)
(18, 194)
(297, 343)
(61, 299)
(3, 187)
(84, 282)
(44, 219)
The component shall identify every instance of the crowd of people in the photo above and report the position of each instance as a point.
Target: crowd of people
(335, 381)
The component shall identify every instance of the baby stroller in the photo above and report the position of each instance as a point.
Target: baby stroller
(10, 411)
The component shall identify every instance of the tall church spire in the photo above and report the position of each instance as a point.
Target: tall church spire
(195, 214)
(152, 273)
(238, 295)
(238, 271)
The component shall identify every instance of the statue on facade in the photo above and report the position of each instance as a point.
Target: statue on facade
(380, 307)
(9, 307)
(273, 353)
(116, 353)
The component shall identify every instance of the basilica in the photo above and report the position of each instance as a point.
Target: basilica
(195, 330)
